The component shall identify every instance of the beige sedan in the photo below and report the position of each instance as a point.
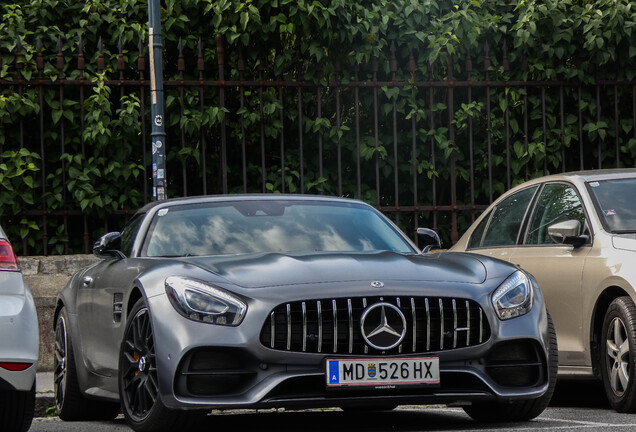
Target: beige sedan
(576, 233)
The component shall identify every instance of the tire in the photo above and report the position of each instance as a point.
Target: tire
(522, 410)
(618, 354)
(138, 382)
(70, 402)
(16, 410)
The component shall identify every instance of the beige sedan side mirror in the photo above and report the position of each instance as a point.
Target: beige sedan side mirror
(568, 232)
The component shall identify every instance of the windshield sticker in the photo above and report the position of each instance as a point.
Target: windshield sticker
(594, 184)
(162, 212)
(610, 212)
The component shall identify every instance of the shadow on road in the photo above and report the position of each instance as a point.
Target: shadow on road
(584, 394)
(338, 421)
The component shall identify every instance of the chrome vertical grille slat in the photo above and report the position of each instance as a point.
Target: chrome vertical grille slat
(441, 327)
(432, 324)
(481, 327)
(319, 310)
(289, 327)
(414, 320)
(468, 323)
(428, 325)
(350, 317)
(335, 325)
(304, 308)
(454, 324)
(273, 329)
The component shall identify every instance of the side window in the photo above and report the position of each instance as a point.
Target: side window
(558, 202)
(504, 224)
(478, 233)
(129, 233)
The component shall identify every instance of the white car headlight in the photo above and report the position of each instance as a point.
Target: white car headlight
(514, 296)
(199, 301)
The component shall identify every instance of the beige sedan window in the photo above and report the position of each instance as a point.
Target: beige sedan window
(558, 202)
(503, 225)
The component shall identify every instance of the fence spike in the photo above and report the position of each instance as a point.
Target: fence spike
(19, 59)
(200, 62)
(241, 61)
(141, 61)
(100, 55)
(60, 55)
(80, 54)
(506, 63)
(486, 58)
(180, 59)
(121, 63)
(39, 60)
(220, 50)
(393, 60)
(469, 63)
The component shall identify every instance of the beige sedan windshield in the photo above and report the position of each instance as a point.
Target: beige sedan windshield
(615, 204)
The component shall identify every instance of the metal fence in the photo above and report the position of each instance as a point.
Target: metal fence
(428, 144)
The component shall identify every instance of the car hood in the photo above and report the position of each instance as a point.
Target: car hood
(273, 269)
(625, 242)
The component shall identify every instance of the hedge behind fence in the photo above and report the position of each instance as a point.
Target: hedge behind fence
(66, 153)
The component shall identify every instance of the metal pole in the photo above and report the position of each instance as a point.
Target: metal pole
(158, 133)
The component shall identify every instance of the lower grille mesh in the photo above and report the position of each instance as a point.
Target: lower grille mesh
(332, 326)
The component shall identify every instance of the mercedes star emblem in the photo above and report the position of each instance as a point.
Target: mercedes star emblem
(383, 326)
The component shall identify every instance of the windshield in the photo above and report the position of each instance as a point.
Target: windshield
(615, 203)
(250, 226)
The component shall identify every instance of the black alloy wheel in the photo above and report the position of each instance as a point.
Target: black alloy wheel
(59, 361)
(138, 367)
(70, 402)
(138, 379)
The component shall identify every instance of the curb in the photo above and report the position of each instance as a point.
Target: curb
(43, 401)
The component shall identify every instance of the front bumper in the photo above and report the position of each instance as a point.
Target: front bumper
(204, 366)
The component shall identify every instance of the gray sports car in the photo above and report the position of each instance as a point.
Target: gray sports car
(293, 301)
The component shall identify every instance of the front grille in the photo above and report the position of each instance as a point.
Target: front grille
(332, 326)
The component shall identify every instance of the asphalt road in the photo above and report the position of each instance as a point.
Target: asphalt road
(576, 407)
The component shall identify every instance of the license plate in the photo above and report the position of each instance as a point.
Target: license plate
(383, 372)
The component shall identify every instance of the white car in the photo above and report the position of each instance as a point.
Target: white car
(19, 344)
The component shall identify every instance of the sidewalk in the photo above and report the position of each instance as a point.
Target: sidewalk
(44, 396)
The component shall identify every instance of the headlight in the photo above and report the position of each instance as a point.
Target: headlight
(514, 297)
(199, 301)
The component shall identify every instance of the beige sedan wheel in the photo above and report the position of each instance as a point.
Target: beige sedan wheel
(617, 360)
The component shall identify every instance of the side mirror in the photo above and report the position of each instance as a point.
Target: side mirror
(428, 239)
(568, 232)
(108, 245)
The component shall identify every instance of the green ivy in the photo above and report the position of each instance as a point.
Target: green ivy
(89, 157)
